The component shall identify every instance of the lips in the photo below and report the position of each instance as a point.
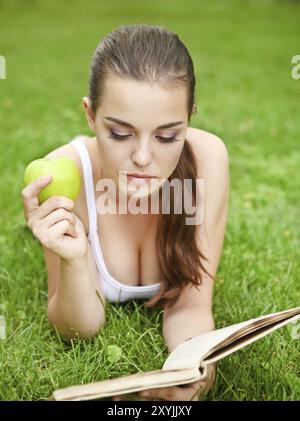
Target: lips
(139, 180)
(142, 176)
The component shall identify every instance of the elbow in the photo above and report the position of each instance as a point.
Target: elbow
(70, 334)
(81, 330)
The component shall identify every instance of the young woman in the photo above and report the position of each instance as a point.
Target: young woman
(141, 98)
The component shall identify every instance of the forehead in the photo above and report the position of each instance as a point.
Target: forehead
(136, 100)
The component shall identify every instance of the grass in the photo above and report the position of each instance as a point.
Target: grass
(242, 54)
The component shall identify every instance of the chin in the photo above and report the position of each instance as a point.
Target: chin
(143, 193)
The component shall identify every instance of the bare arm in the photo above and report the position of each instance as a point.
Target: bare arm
(77, 307)
(74, 293)
(181, 325)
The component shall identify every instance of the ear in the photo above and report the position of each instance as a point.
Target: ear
(89, 113)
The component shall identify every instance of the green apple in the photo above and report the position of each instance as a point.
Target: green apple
(66, 179)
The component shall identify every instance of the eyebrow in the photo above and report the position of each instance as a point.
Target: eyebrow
(124, 123)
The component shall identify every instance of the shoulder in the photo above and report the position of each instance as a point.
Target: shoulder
(212, 161)
(207, 147)
(65, 150)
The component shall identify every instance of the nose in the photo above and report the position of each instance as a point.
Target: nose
(142, 154)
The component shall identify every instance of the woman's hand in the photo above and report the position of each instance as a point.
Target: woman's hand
(188, 392)
(53, 223)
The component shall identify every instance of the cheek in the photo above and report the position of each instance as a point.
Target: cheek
(112, 157)
(168, 160)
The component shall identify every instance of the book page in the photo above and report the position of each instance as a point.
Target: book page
(127, 384)
(193, 352)
(257, 324)
(247, 339)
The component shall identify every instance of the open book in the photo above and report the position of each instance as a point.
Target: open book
(187, 363)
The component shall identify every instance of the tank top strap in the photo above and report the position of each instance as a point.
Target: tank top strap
(83, 153)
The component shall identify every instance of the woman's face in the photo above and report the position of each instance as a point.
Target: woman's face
(143, 148)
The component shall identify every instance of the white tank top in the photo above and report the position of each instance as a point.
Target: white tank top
(113, 290)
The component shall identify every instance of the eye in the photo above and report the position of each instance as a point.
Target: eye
(116, 136)
(167, 139)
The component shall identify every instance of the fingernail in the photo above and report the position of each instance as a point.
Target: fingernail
(145, 394)
(47, 178)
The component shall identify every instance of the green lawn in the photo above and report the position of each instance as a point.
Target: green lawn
(242, 54)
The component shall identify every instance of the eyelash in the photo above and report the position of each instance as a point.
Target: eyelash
(124, 137)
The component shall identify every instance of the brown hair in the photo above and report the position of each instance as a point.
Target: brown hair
(152, 53)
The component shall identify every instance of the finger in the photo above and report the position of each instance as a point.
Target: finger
(174, 393)
(199, 391)
(193, 392)
(165, 393)
(62, 228)
(52, 203)
(30, 193)
(127, 397)
(58, 215)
